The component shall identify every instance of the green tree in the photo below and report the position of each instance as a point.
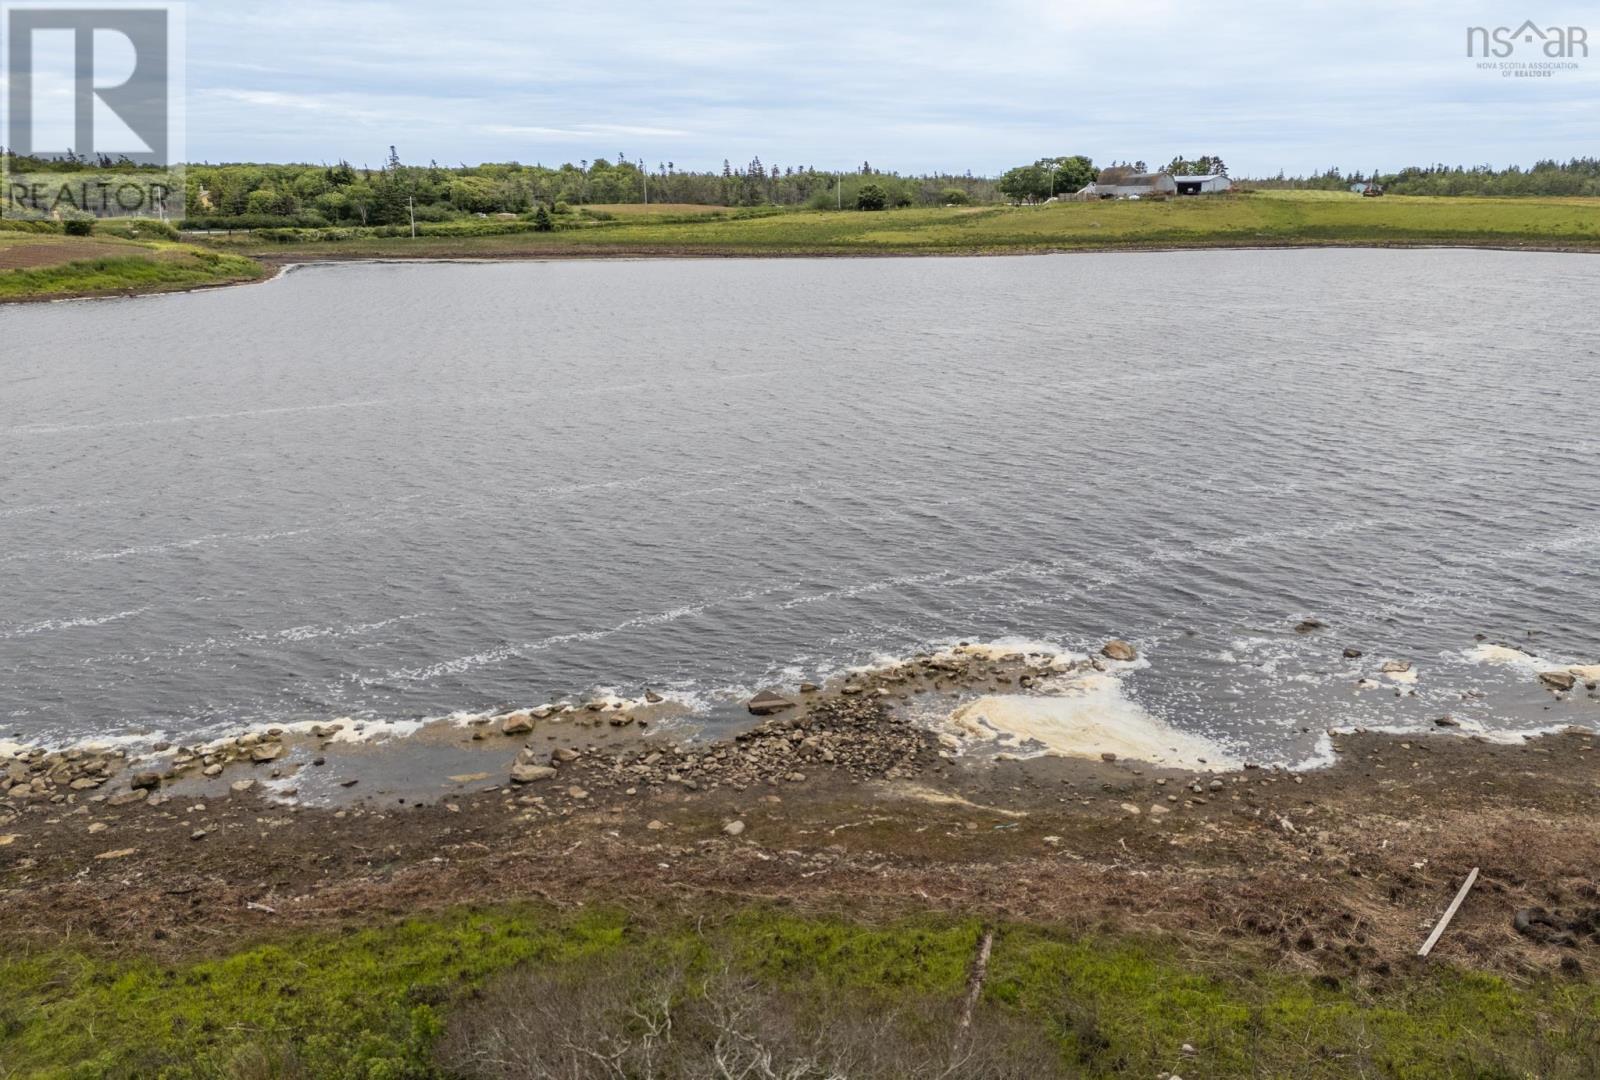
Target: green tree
(1071, 173)
(871, 197)
(1025, 184)
(541, 220)
(1206, 165)
(954, 196)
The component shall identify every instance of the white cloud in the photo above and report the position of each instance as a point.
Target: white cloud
(581, 131)
(929, 85)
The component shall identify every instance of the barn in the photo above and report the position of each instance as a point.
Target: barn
(1119, 182)
(1203, 185)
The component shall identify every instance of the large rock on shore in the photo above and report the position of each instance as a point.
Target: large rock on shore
(531, 774)
(767, 703)
(1558, 680)
(1120, 651)
(517, 723)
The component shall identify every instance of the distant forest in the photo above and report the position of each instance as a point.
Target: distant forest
(1580, 176)
(345, 195)
(251, 195)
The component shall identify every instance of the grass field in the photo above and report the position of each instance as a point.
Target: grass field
(418, 998)
(1263, 219)
(36, 266)
(653, 209)
(45, 266)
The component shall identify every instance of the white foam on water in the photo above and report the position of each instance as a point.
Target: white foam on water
(1013, 647)
(1083, 717)
(192, 418)
(118, 742)
(1321, 756)
(91, 744)
(50, 625)
(1506, 656)
(1263, 654)
(612, 701)
(500, 654)
(850, 592)
(363, 731)
(346, 730)
(94, 744)
(1470, 729)
(312, 632)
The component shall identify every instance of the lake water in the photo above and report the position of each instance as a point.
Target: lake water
(402, 491)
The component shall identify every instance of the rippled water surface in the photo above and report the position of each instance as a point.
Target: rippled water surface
(401, 491)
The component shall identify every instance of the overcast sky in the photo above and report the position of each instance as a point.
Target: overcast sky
(908, 86)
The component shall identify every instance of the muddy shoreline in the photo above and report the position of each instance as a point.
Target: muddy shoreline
(690, 251)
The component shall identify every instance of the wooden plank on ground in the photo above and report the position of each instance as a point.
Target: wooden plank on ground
(1449, 913)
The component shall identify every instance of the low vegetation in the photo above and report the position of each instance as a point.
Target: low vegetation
(533, 992)
(41, 262)
(392, 192)
(1248, 220)
(110, 261)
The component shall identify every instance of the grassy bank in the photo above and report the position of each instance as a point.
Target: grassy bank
(530, 992)
(35, 266)
(1262, 219)
(50, 266)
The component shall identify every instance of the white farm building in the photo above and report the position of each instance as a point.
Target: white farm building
(1121, 182)
(1124, 183)
(1203, 185)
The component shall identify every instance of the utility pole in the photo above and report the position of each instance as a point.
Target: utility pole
(645, 172)
(840, 181)
(411, 204)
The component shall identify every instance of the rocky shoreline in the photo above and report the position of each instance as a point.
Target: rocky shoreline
(850, 724)
(838, 794)
(864, 725)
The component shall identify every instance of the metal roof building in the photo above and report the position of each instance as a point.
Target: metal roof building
(1123, 183)
(1203, 185)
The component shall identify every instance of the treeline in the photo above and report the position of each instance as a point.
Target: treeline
(1579, 176)
(344, 195)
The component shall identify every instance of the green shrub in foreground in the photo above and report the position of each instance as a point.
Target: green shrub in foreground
(424, 997)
